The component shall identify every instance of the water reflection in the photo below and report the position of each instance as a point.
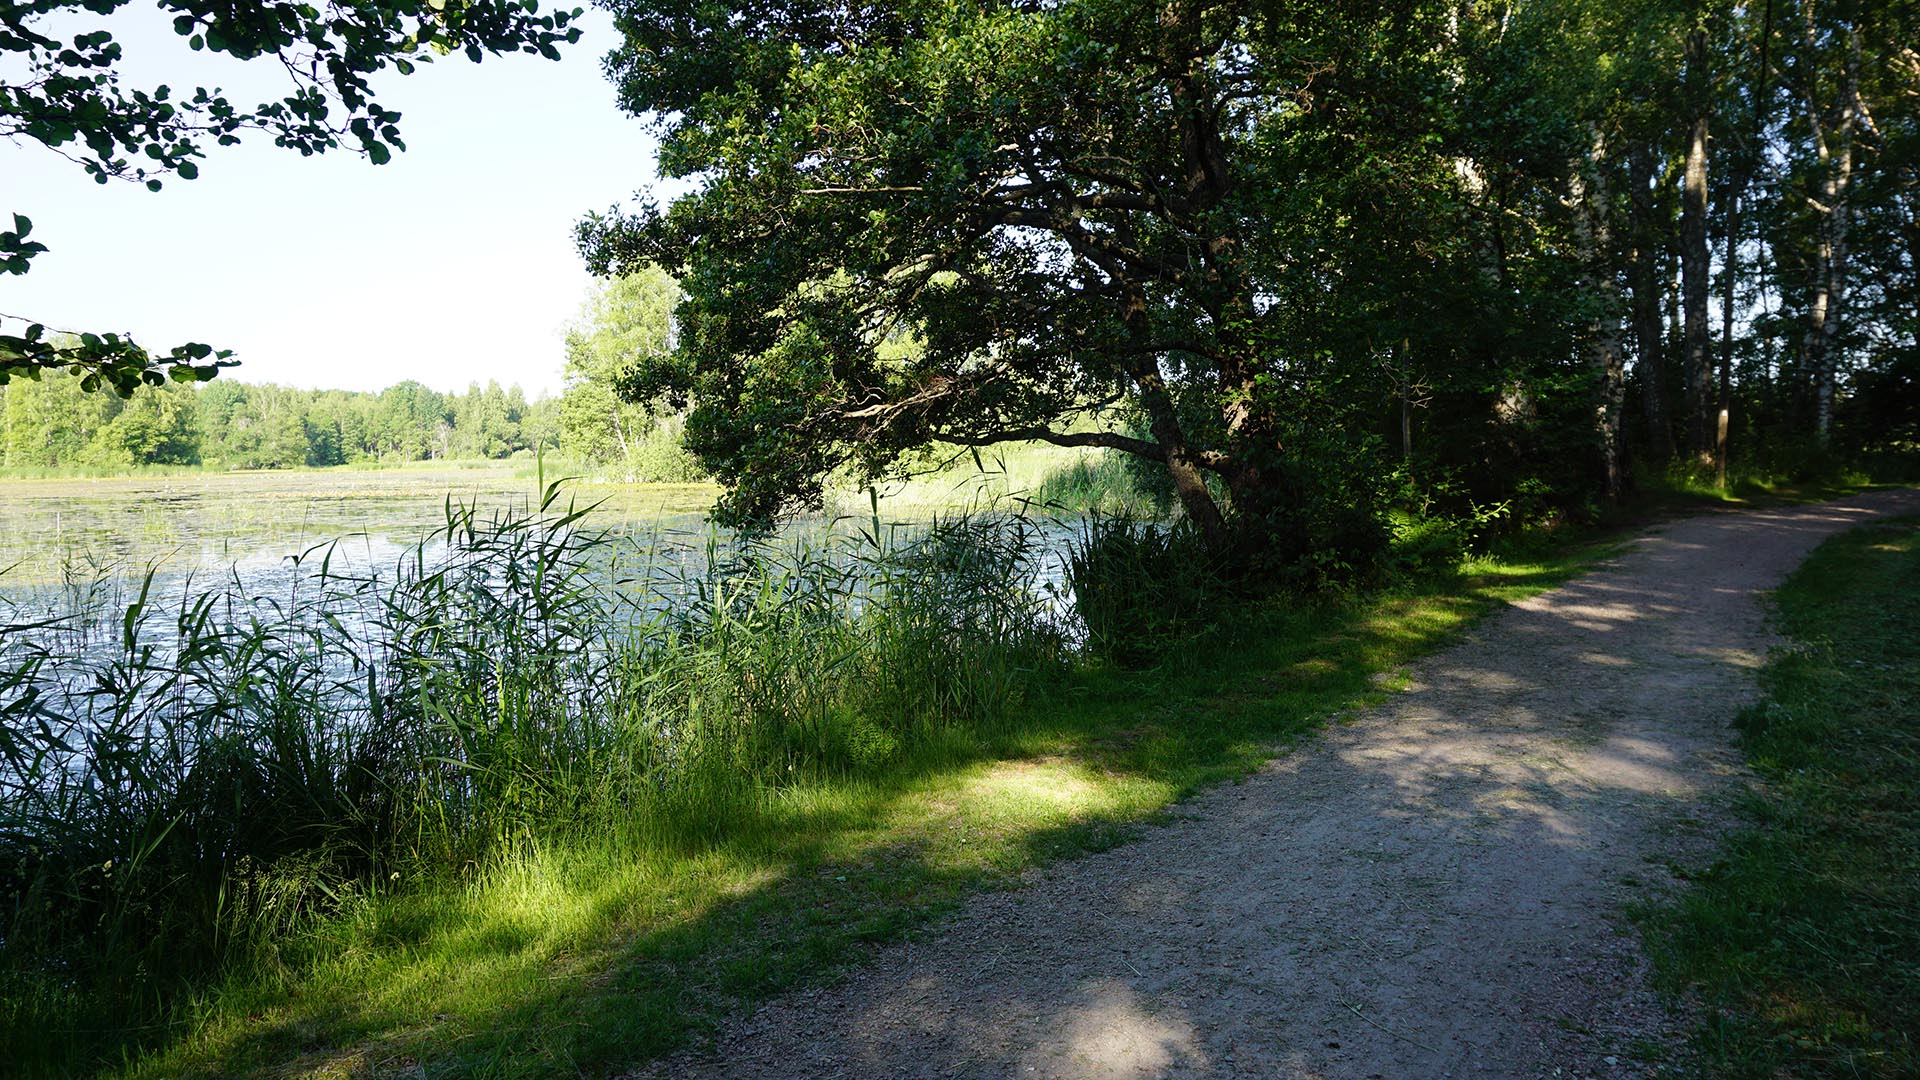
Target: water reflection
(77, 554)
(53, 529)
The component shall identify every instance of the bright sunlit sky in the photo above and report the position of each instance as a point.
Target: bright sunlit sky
(454, 263)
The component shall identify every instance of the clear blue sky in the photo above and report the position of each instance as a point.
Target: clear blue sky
(453, 263)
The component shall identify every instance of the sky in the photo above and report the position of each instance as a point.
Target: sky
(452, 264)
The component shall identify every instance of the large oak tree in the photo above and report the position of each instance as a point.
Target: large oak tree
(1180, 230)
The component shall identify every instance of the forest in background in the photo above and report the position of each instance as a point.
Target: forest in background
(52, 423)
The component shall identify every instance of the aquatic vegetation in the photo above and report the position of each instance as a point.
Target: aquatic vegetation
(188, 774)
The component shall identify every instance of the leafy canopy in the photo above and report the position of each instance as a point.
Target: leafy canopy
(624, 321)
(1146, 226)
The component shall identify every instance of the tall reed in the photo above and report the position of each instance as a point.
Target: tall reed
(191, 775)
(1139, 586)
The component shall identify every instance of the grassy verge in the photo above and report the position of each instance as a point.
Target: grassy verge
(1804, 938)
(620, 944)
(135, 472)
(1681, 489)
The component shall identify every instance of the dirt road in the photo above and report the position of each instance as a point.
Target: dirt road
(1433, 889)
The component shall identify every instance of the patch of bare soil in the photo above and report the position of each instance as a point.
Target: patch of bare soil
(1434, 889)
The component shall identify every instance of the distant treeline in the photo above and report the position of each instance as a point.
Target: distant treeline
(53, 423)
(228, 424)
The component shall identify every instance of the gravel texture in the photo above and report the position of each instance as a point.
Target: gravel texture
(1431, 889)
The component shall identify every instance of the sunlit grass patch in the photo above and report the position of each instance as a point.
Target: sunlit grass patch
(1040, 476)
(1684, 489)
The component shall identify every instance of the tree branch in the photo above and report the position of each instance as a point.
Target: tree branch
(1038, 433)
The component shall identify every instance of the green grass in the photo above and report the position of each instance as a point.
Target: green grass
(1682, 487)
(587, 957)
(97, 472)
(55, 472)
(1804, 938)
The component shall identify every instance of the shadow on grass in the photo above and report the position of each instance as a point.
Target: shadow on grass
(1439, 871)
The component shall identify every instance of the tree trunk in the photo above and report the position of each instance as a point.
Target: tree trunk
(1208, 179)
(1731, 268)
(620, 434)
(1588, 195)
(1406, 426)
(1185, 467)
(1742, 175)
(1189, 481)
(1695, 266)
(1648, 327)
(1824, 319)
(1833, 141)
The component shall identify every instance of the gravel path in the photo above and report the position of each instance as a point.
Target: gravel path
(1431, 890)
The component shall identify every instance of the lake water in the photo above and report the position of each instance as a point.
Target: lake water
(69, 545)
(55, 531)
(104, 579)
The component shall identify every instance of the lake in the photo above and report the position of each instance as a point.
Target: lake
(60, 530)
(81, 547)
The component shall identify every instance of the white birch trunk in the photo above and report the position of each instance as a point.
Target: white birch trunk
(1833, 141)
